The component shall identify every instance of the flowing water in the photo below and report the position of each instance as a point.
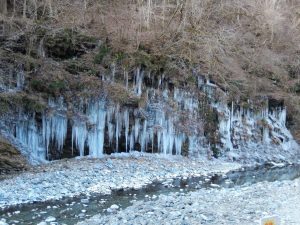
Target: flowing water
(73, 210)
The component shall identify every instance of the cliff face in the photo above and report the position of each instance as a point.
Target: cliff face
(71, 88)
(149, 114)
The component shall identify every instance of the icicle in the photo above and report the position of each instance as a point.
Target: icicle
(126, 123)
(111, 131)
(136, 129)
(20, 80)
(165, 94)
(59, 125)
(131, 144)
(33, 138)
(152, 140)
(10, 80)
(282, 117)
(193, 145)
(54, 129)
(97, 115)
(224, 128)
(231, 115)
(41, 49)
(118, 130)
(266, 137)
(159, 141)
(159, 82)
(27, 133)
(139, 77)
(179, 139)
(143, 137)
(200, 81)
(126, 78)
(186, 100)
(79, 136)
(46, 132)
(110, 125)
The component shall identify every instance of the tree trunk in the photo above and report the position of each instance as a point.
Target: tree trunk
(24, 8)
(14, 8)
(35, 9)
(50, 8)
(3, 6)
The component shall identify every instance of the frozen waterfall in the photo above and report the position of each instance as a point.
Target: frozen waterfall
(169, 123)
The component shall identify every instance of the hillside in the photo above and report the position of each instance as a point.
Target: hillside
(80, 50)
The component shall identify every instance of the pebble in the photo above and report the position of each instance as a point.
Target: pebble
(203, 217)
(115, 207)
(243, 204)
(67, 178)
(84, 201)
(42, 223)
(3, 223)
(81, 215)
(50, 219)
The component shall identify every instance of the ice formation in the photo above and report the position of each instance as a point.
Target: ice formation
(243, 128)
(14, 80)
(54, 130)
(157, 127)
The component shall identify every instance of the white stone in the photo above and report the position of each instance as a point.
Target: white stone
(50, 219)
(114, 207)
(42, 223)
(204, 217)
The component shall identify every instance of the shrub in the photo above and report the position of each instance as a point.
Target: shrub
(103, 51)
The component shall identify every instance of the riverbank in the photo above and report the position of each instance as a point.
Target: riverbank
(238, 205)
(73, 177)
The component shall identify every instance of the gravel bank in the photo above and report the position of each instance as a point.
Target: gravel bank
(68, 178)
(240, 205)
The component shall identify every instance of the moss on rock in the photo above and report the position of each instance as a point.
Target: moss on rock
(11, 160)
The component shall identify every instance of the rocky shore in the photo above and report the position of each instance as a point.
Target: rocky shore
(239, 205)
(73, 177)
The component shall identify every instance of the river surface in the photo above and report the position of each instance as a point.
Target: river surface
(72, 210)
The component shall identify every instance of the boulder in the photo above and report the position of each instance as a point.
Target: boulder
(11, 160)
